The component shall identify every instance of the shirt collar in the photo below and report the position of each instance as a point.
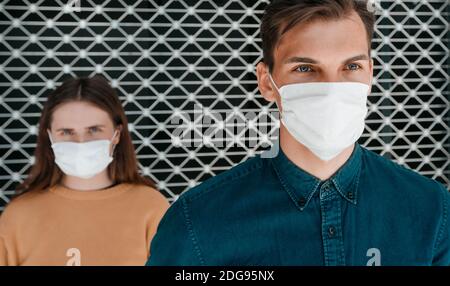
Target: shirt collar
(301, 185)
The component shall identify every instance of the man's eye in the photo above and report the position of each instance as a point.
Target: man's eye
(304, 69)
(353, 67)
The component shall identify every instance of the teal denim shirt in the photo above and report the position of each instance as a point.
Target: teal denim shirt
(267, 211)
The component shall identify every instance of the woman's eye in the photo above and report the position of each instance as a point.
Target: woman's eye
(66, 132)
(353, 67)
(93, 130)
(304, 69)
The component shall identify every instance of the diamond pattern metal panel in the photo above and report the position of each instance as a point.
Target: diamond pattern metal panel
(167, 58)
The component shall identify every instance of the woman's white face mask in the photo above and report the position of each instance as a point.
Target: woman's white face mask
(326, 117)
(82, 160)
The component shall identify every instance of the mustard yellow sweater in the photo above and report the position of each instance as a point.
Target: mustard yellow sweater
(61, 226)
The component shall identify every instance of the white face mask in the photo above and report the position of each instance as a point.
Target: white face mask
(325, 117)
(82, 160)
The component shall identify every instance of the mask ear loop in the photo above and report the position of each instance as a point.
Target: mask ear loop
(114, 145)
(278, 90)
(50, 136)
(273, 82)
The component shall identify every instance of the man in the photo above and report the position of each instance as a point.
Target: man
(323, 199)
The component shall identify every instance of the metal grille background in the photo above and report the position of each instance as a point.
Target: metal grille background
(164, 57)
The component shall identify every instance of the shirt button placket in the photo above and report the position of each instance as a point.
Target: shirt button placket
(331, 231)
(331, 223)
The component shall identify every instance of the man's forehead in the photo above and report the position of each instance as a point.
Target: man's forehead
(344, 36)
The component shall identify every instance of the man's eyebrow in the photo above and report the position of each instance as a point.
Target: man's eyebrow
(313, 61)
(300, 60)
(362, 57)
(97, 126)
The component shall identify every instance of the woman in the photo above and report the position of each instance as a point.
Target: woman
(84, 202)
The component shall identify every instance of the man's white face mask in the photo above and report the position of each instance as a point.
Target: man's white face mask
(82, 160)
(326, 117)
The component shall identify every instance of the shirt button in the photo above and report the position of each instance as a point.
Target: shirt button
(302, 202)
(350, 195)
(331, 231)
(326, 187)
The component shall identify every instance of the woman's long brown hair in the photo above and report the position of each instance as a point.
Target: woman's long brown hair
(97, 91)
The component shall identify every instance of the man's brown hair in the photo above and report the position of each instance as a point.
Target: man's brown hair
(282, 15)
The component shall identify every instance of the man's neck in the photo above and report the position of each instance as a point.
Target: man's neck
(303, 158)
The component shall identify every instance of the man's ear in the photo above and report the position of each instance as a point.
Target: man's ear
(264, 83)
(371, 76)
